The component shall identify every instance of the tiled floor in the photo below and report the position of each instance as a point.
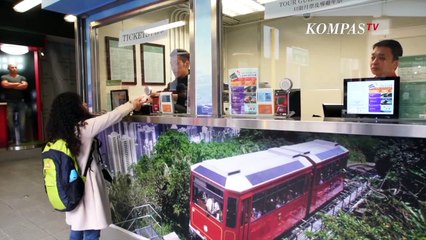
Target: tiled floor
(25, 213)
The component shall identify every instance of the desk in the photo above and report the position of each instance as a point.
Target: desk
(403, 128)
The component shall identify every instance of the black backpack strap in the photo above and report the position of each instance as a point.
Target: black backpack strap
(96, 145)
(89, 161)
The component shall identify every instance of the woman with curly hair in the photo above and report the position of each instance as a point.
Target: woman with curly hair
(70, 120)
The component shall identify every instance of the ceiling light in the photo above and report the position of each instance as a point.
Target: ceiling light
(234, 8)
(70, 18)
(26, 5)
(14, 49)
(164, 27)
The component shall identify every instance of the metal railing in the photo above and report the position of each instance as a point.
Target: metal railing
(140, 220)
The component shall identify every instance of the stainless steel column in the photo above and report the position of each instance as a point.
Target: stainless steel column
(204, 86)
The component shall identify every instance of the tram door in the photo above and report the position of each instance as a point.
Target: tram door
(245, 218)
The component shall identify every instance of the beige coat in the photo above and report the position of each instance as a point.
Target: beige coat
(93, 212)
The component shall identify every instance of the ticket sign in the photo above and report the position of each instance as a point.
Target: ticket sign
(286, 8)
(133, 36)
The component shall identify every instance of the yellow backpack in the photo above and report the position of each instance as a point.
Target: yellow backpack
(63, 181)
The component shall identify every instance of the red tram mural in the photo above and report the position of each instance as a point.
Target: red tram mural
(261, 195)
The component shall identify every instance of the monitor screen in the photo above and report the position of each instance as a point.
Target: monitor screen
(332, 109)
(295, 102)
(372, 97)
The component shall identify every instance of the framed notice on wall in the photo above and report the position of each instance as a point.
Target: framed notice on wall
(119, 97)
(153, 64)
(121, 62)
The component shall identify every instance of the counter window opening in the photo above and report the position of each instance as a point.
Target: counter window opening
(317, 52)
(259, 50)
(132, 59)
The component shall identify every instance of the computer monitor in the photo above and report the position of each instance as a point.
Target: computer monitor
(295, 102)
(333, 110)
(372, 97)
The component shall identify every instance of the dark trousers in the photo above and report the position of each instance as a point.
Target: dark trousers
(16, 115)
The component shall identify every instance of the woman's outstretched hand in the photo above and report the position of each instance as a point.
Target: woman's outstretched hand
(138, 102)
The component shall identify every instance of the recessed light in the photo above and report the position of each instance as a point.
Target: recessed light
(70, 18)
(26, 5)
(14, 49)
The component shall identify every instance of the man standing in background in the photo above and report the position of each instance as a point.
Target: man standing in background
(14, 86)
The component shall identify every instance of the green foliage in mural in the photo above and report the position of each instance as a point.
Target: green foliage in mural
(346, 226)
(361, 148)
(395, 207)
(403, 163)
(125, 193)
(165, 176)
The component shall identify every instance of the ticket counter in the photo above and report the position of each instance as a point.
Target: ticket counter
(401, 128)
(241, 61)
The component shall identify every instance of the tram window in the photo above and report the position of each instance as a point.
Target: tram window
(214, 189)
(246, 212)
(196, 194)
(214, 208)
(331, 170)
(208, 198)
(277, 196)
(231, 213)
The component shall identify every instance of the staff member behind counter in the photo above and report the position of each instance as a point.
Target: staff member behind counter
(385, 58)
(180, 63)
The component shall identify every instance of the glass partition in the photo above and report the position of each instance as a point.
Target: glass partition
(287, 58)
(315, 44)
(146, 53)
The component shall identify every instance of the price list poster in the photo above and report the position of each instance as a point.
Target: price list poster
(243, 89)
